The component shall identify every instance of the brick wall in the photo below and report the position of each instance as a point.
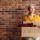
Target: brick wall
(12, 13)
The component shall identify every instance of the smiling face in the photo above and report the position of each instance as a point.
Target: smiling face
(31, 10)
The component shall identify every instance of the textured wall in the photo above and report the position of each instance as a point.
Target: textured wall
(12, 13)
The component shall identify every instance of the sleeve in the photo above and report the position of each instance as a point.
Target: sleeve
(38, 18)
(25, 18)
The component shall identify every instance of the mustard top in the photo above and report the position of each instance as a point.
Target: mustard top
(34, 19)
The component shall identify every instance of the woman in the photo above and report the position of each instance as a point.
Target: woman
(32, 18)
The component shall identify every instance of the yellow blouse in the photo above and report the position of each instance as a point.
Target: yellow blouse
(36, 18)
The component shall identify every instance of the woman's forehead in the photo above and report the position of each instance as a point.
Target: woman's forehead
(32, 7)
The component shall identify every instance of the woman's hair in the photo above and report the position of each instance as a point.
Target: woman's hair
(31, 5)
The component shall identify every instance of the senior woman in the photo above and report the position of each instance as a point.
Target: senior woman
(32, 17)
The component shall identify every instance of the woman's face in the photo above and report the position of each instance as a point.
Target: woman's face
(31, 9)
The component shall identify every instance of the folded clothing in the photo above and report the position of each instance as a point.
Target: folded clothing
(26, 25)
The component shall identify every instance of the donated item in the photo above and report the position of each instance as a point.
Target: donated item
(26, 25)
